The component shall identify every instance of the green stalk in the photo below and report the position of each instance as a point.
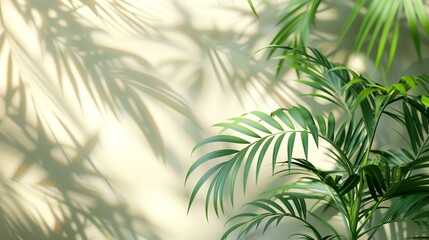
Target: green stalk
(356, 207)
(354, 229)
(374, 208)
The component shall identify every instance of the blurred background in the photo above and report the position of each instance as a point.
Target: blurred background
(103, 101)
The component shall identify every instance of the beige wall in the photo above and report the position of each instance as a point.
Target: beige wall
(202, 50)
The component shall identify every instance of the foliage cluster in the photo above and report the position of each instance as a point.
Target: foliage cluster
(370, 186)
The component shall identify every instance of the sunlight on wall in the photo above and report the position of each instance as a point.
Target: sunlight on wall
(198, 53)
(357, 63)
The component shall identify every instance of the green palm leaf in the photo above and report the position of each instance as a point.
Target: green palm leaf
(258, 142)
(296, 20)
(378, 34)
(274, 210)
(381, 23)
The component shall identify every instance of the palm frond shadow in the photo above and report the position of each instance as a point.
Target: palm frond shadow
(113, 78)
(41, 126)
(56, 175)
(221, 53)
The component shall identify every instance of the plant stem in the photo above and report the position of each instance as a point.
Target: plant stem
(374, 208)
(354, 215)
(354, 229)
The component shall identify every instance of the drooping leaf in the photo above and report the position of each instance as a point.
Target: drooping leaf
(322, 124)
(302, 116)
(298, 117)
(341, 135)
(291, 144)
(314, 133)
(425, 100)
(252, 123)
(262, 155)
(249, 162)
(238, 128)
(234, 174)
(412, 131)
(331, 126)
(284, 118)
(374, 172)
(200, 183)
(410, 82)
(351, 182)
(276, 149)
(222, 139)
(270, 210)
(371, 187)
(250, 2)
(304, 140)
(210, 156)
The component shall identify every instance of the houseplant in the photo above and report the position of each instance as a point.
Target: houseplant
(369, 186)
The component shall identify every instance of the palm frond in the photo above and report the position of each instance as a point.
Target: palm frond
(379, 32)
(275, 210)
(297, 18)
(414, 119)
(327, 79)
(262, 135)
(410, 209)
(381, 24)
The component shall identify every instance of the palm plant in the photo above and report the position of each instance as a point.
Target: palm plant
(370, 187)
